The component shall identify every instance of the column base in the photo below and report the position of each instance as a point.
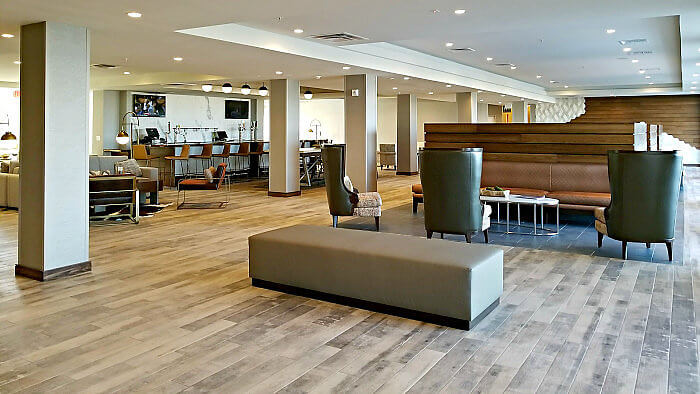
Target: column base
(284, 194)
(62, 272)
(406, 172)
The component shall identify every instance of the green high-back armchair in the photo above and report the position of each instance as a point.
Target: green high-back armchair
(451, 180)
(644, 189)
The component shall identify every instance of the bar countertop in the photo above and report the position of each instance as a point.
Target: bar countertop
(199, 143)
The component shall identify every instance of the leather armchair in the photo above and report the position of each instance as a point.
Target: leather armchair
(644, 188)
(341, 200)
(450, 181)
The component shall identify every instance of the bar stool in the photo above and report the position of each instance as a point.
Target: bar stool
(225, 155)
(243, 152)
(183, 157)
(139, 153)
(204, 157)
(258, 152)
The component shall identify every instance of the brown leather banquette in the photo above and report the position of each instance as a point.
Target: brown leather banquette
(581, 186)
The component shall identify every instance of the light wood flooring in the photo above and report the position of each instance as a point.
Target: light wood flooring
(169, 308)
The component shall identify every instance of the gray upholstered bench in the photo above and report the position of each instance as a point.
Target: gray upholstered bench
(443, 282)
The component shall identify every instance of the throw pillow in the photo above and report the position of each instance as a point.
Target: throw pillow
(348, 183)
(209, 174)
(131, 166)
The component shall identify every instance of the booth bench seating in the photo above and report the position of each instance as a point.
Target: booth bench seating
(579, 186)
(443, 282)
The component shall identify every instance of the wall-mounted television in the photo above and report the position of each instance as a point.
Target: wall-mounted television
(149, 105)
(237, 109)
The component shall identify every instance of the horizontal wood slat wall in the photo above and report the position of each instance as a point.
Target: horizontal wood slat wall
(679, 115)
(541, 142)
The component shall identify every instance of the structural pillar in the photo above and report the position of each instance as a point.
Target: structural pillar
(466, 107)
(533, 113)
(361, 131)
(519, 112)
(482, 113)
(284, 138)
(53, 215)
(406, 134)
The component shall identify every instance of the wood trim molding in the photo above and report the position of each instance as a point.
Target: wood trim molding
(56, 273)
(284, 194)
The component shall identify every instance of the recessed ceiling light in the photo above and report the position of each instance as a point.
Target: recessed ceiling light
(513, 67)
(17, 62)
(651, 83)
(448, 86)
(460, 12)
(134, 14)
(406, 78)
(394, 88)
(479, 91)
(346, 67)
(482, 100)
(449, 44)
(566, 86)
(279, 72)
(436, 11)
(697, 64)
(647, 77)
(642, 71)
(7, 35)
(177, 58)
(430, 92)
(626, 49)
(522, 99)
(207, 87)
(693, 88)
(694, 82)
(499, 102)
(696, 75)
(539, 76)
(298, 31)
(488, 59)
(503, 95)
(635, 60)
(610, 31)
(552, 81)
(126, 73)
(318, 77)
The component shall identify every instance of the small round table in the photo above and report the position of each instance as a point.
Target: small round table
(536, 202)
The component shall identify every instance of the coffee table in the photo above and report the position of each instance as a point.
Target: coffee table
(525, 200)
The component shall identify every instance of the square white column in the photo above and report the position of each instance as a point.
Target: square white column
(361, 130)
(284, 138)
(519, 112)
(466, 107)
(406, 134)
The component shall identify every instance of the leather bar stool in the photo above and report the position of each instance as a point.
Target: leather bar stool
(225, 155)
(243, 152)
(183, 159)
(258, 152)
(204, 157)
(140, 153)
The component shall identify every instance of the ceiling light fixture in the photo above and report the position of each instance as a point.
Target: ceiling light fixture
(552, 81)
(17, 62)
(448, 86)
(177, 59)
(134, 14)
(693, 88)
(245, 89)
(694, 82)
(513, 67)
(500, 102)
(318, 77)
(503, 95)
(488, 59)
(263, 90)
(651, 83)
(7, 35)
(298, 31)
(635, 60)
(479, 91)
(406, 78)
(481, 100)
(642, 71)
(566, 86)
(346, 67)
(626, 49)
(430, 92)
(538, 76)
(696, 75)
(227, 88)
(460, 12)
(449, 44)
(394, 88)
(308, 95)
(647, 77)
(126, 73)
(697, 64)
(207, 87)
(279, 72)
(610, 31)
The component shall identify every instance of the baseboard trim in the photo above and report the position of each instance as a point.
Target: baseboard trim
(377, 307)
(406, 172)
(56, 273)
(284, 194)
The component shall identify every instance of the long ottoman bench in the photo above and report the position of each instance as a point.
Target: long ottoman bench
(438, 281)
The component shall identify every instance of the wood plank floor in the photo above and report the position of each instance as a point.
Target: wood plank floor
(169, 308)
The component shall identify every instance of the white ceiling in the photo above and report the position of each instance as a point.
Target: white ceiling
(560, 40)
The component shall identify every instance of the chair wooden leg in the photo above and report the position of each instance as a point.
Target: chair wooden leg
(335, 221)
(648, 245)
(600, 239)
(669, 249)
(624, 250)
(376, 222)
(468, 237)
(429, 234)
(415, 205)
(486, 236)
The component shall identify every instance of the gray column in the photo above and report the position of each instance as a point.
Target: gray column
(53, 216)
(284, 138)
(466, 107)
(482, 113)
(519, 112)
(361, 131)
(406, 134)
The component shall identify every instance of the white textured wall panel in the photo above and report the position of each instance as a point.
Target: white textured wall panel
(562, 111)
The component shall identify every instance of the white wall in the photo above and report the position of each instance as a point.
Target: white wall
(331, 114)
(9, 106)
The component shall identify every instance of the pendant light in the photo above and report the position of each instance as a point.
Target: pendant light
(263, 90)
(308, 95)
(245, 89)
(207, 87)
(227, 87)
(122, 138)
(8, 141)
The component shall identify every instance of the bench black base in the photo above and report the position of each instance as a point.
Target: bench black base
(377, 307)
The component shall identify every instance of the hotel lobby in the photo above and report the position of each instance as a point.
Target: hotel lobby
(366, 197)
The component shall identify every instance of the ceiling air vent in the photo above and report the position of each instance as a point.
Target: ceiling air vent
(463, 49)
(633, 41)
(177, 84)
(505, 64)
(641, 52)
(104, 66)
(338, 37)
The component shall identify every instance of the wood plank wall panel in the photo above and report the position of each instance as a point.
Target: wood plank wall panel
(541, 142)
(679, 115)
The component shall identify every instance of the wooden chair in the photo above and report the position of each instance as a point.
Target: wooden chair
(220, 180)
(183, 158)
(243, 152)
(258, 152)
(204, 157)
(225, 155)
(140, 153)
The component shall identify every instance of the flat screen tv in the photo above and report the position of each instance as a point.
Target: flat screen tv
(149, 105)
(237, 109)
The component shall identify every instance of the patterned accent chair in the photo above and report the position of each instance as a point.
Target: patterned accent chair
(644, 189)
(343, 199)
(450, 182)
(387, 155)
